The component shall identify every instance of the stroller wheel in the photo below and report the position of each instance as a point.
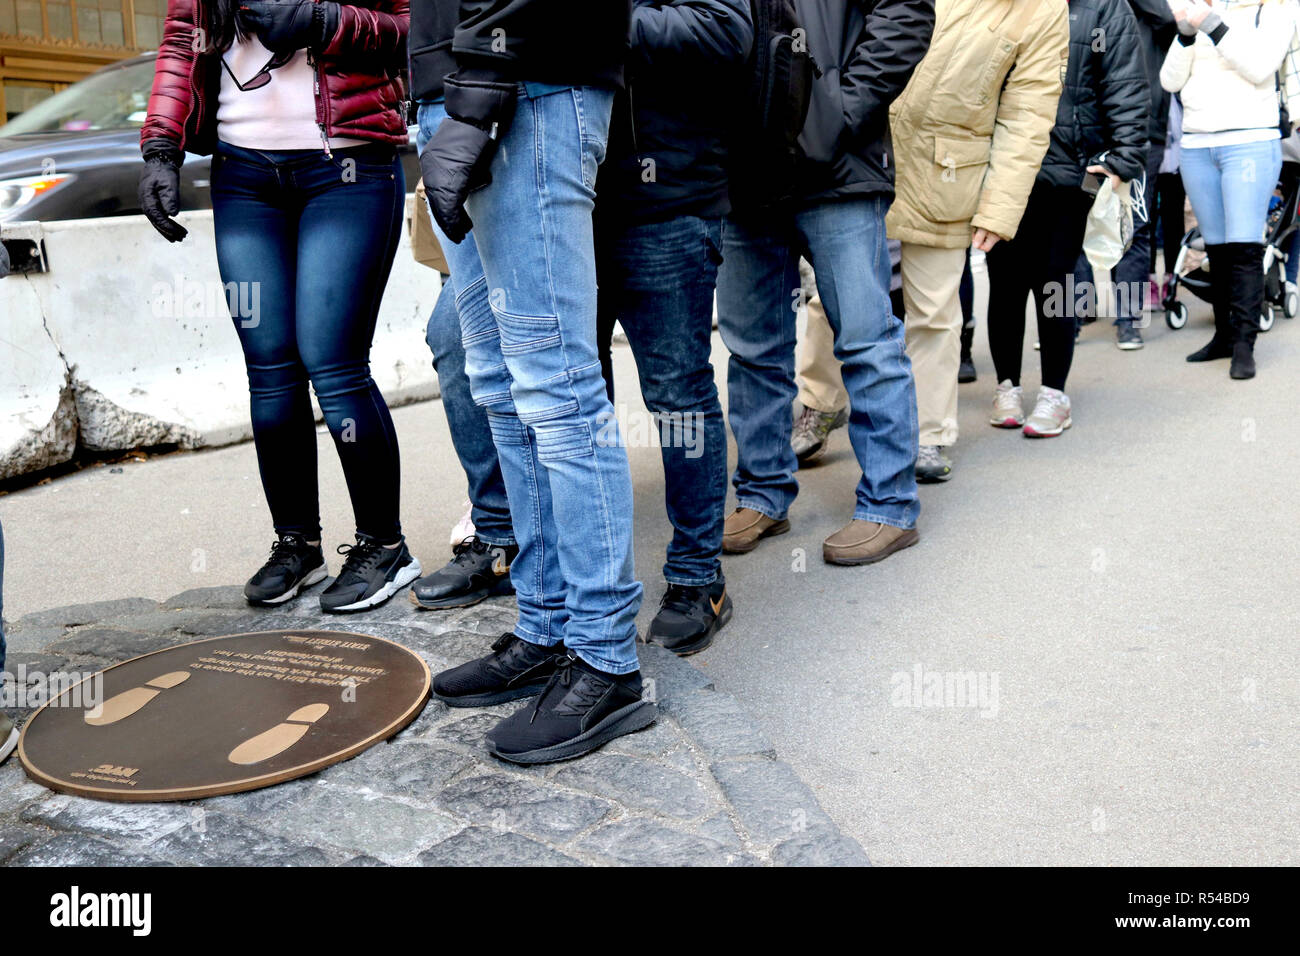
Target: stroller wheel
(1176, 315)
(1290, 301)
(1266, 318)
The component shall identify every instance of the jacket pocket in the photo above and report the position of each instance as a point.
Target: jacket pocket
(956, 178)
(824, 127)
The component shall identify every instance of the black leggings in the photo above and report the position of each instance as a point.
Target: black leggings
(1037, 261)
(1169, 202)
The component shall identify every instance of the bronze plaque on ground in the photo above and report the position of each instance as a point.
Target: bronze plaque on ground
(224, 715)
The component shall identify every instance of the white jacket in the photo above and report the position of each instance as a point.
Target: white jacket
(1232, 85)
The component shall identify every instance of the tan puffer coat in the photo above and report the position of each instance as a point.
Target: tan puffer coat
(971, 129)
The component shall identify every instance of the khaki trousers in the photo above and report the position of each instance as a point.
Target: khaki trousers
(933, 320)
(817, 370)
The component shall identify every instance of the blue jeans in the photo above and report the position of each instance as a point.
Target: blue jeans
(758, 286)
(315, 238)
(470, 434)
(525, 283)
(657, 281)
(1230, 187)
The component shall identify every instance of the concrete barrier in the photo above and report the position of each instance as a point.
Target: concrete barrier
(127, 341)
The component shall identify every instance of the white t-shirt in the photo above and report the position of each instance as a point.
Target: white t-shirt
(278, 116)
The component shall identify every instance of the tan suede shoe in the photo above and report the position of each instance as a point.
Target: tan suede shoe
(745, 527)
(866, 542)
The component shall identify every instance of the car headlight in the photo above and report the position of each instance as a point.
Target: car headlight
(16, 193)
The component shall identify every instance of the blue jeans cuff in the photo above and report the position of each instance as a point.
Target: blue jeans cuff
(907, 524)
(762, 509)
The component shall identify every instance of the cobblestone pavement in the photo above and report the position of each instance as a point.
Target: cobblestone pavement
(701, 786)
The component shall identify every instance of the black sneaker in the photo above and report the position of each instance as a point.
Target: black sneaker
(689, 617)
(966, 367)
(580, 709)
(293, 565)
(515, 669)
(1127, 337)
(478, 571)
(370, 576)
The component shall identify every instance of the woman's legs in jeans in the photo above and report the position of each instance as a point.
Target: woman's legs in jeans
(318, 244)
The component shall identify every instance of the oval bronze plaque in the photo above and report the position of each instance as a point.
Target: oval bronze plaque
(224, 715)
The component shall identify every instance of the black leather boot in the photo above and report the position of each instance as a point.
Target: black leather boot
(1219, 347)
(1247, 305)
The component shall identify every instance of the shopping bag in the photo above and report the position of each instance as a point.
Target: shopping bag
(1110, 225)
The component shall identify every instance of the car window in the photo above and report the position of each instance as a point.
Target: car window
(111, 99)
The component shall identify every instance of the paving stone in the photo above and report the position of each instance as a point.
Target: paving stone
(142, 822)
(459, 646)
(511, 803)
(33, 640)
(718, 724)
(192, 621)
(658, 739)
(225, 841)
(256, 804)
(647, 843)
(468, 732)
(16, 791)
(481, 846)
(410, 769)
(772, 803)
(719, 827)
(75, 849)
(34, 663)
(639, 783)
(671, 675)
(392, 831)
(15, 837)
(78, 614)
(821, 846)
(229, 597)
(434, 713)
(111, 645)
(364, 861)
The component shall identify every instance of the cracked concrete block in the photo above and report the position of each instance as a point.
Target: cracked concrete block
(107, 426)
(38, 415)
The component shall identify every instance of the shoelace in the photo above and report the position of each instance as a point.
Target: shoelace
(286, 549)
(679, 598)
(587, 695)
(465, 551)
(360, 557)
(1007, 398)
(806, 424)
(1049, 401)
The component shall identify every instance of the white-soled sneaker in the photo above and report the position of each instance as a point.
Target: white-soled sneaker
(1051, 414)
(1008, 406)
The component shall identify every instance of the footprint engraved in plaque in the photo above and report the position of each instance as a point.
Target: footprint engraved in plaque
(279, 738)
(123, 705)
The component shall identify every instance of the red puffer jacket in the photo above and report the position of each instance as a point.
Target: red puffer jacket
(358, 90)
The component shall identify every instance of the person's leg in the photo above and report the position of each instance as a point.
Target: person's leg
(468, 424)
(846, 243)
(1202, 182)
(1007, 264)
(1249, 173)
(932, 300)
(667, 273)
(966, 294)
(1056, 326)
(255, 218)
(534, 237)
(347, 238)
(1133, 271)
(757, 285)
(817, 373)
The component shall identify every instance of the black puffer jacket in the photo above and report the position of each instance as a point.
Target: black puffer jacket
(578, 42)
(1106, 104)
(1156, 27)
(667, 154)
(867, 50)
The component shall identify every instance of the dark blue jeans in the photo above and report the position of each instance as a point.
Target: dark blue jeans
(315, 237)
(657, 281)
(471, 434)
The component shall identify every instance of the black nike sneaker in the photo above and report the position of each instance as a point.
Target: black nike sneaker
(689, 617)
(514, 670)
(370, 576)
(580, 709)
(293, 565)
(478, 571)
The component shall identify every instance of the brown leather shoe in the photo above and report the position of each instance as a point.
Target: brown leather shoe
(745, 527)
(866, 542)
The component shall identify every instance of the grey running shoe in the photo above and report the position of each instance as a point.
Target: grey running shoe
(932, 464)
(1008, 406)
(1128, 337)
(811, 430)
(1051, 414)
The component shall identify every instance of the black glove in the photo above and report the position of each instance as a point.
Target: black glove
(458, 160)
(160, 187)
(284, 26)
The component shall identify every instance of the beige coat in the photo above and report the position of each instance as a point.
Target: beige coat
(971, 128)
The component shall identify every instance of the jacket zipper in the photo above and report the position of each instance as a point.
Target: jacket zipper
(631, 119)
(196, 103)
(320, 105)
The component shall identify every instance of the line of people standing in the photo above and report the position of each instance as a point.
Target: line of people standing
(578, 176)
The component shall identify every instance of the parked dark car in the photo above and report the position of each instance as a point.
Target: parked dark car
(76, 155)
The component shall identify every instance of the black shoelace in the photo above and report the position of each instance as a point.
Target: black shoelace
(465, 552)
(361, 557)
(587, 693)
(286, 549)
(680, 598)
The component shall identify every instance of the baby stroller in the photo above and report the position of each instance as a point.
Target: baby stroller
(1279, 295)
